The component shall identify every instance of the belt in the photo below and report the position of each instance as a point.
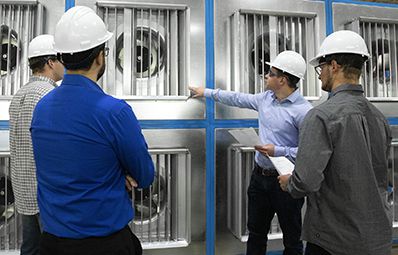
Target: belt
(265, 171)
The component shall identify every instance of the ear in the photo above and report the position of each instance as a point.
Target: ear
(282, 80)
(100, 58)
(335, 65)
(50, 63)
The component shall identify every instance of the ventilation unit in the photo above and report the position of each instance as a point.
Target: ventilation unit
(20, 21)
(149, 51)
(259, 36)
(10, 223)
(240, 166)
(380, 76)
(393, 181)
(163, 211)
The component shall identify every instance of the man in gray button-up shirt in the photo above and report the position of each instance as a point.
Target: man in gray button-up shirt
(341, 164)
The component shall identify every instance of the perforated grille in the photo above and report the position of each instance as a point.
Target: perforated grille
(259, 36)
(149, 54)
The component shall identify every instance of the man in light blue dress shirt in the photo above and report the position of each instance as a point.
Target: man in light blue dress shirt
(281, 110)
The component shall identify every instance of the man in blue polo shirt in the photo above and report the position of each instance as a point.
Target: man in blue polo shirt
(85, 142)
(281, 110)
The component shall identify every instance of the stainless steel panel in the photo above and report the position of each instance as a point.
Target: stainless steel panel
(240, 166)
(180, 157)
(177, 42)
(192, 140)
(16, 28)
(379, 27)
(163, 211)
(10, 221)
(238, 22)
(226, 241)
(26, 19)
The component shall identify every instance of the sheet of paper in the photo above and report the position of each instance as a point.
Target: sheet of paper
(246, 137)
(282, 165)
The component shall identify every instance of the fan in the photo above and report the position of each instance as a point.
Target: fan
(149, 202)
(8, 38)
(156, 49)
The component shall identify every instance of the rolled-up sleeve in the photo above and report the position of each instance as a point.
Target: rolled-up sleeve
(285, 151)
(315, 150)
(131, 148)
(231, 98)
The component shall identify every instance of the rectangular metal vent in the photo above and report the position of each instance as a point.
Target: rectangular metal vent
(10, 221)
(149, 52)
(259, 36)
(20, 22)
(163, 211)
(240, 166)
(393, 181)
(380, 73)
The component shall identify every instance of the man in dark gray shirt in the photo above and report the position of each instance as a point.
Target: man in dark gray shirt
(341, 164)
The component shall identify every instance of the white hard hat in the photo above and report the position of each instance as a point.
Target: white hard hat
(42, 45)
(343, 41)
(80, 29)
(290, 62)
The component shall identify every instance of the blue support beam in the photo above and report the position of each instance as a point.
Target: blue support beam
(210, 123)
(210, 135)
(367, 3)
(329, 16)
(69, 4)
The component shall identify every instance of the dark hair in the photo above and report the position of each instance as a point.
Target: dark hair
(351, 63)
(80, 60)
(37, 64)
(291, 79)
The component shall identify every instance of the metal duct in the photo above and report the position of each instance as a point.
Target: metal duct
(162, 211)
(20, 22)
(10, 223)
(240, 166)
(380, 76)
(259, 36)
(150, 47)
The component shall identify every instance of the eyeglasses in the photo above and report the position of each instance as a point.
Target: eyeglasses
(271, 74)
(106, 51)
(318, 68)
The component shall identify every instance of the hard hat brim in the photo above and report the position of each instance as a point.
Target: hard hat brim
(280, 68)
(91, 46)
(315, 61)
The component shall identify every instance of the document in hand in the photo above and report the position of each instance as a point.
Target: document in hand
(247, 137)
(282, 165)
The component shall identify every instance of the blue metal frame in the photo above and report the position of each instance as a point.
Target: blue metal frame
(210, 134)
(69, 4)
(4, 125)
(210, 123)
(329, 16)
(366, 3)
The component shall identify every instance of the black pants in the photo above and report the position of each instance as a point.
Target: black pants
(123, 242)
(265, 199)
(313, 249)
(31, 232)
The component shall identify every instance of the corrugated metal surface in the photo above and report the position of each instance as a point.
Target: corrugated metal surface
(259, 36)
(151, 48)
(163, 211)
(240, 166)
(380, 77)
(20, 21)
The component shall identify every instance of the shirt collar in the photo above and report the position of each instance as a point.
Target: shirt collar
(346, 87)
(291, 98)
(42, 78)
(80, 80)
